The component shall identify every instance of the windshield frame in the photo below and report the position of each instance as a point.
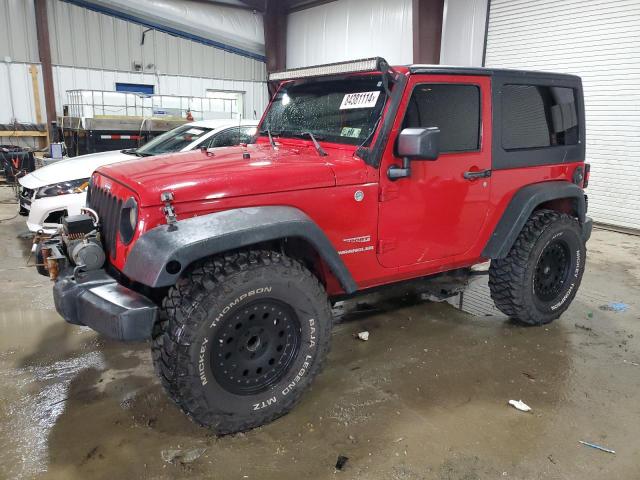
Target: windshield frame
(301, 134)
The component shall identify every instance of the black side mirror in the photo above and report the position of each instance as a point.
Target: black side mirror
(415, 144)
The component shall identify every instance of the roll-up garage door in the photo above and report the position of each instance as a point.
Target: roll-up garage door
(598, 40)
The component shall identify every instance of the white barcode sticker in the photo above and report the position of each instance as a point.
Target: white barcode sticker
(359, 100)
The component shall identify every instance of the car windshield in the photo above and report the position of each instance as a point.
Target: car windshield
(172, 141)
(340, 111)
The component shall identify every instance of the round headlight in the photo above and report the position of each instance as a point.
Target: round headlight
(128, 220)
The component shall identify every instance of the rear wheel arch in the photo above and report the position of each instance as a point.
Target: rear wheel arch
(560, 196)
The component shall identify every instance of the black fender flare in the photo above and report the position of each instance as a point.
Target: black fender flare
(520, 208)
(152, 260)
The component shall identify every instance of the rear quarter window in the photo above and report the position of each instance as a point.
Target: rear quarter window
(536, 116)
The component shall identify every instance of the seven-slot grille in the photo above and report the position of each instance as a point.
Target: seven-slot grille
(108, 208)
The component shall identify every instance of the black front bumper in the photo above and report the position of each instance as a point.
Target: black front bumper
(98, 301)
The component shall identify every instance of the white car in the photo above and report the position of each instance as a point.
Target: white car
(60, 189)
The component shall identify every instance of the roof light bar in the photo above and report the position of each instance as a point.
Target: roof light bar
(364, 65)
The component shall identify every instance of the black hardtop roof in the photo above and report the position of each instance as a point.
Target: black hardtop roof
(379, 64)
(490, 72)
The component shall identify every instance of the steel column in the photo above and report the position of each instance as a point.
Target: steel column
(427, 30)
(44, 50)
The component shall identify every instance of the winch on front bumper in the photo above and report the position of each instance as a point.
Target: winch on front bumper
(84, 293)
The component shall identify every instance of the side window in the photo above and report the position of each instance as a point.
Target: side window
(232, 136)
(247, 134)
(455, 109)
(538, 116)
(225, 138)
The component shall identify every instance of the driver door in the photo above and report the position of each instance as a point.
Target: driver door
(438, 211)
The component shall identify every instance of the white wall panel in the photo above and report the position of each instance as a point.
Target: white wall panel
(69, 78)
(349, 29)
(17, 102)
(83, 38)
(18, 31)
(600, 42)
(237, 27)
(463, 28)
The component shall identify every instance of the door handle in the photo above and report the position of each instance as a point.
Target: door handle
(476, 174)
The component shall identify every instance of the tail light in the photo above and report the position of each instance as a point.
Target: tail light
(587, 172)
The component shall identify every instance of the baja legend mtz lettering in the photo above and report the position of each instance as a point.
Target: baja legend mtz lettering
(361, 175)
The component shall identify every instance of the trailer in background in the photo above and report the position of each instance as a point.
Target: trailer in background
(99, 121)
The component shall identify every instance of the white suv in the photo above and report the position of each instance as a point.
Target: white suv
(58, 190)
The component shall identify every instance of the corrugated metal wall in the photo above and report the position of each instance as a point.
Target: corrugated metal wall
(234, 28)
(92, 50)
(598, 41)
(18, 31)
(463, 29)
(16, 92)
(84, 38)
(350, 29)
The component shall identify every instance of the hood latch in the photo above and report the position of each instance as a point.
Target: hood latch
(169, 211)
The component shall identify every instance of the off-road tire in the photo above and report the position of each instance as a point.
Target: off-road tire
(202, 308)
(515, 280)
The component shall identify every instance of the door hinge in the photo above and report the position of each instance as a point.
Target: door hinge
(385, 246)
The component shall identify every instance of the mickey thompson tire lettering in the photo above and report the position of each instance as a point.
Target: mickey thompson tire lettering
(203, 306)
(512, 279)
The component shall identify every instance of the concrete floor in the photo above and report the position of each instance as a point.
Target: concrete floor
(425, 397)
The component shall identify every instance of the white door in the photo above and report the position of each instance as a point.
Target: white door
(599, 41)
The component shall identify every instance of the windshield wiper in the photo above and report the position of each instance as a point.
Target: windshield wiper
(320, 150)
(271, 140)
(134, 151)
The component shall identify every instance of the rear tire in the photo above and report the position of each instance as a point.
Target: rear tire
(540, 276)
(240, 338)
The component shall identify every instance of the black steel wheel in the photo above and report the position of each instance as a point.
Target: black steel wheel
(540, 276)
(255, 347)
(241, 337)
(552, 270)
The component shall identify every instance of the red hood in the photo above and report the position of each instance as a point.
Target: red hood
(197, 175)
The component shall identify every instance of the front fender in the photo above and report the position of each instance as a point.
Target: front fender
(161, 255)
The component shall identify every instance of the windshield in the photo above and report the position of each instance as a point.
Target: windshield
(340, 111)
(173, 140)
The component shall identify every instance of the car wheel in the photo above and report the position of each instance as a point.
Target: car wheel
(540, 276)
(241, 337)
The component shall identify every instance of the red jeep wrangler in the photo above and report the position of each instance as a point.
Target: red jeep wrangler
(361, 175)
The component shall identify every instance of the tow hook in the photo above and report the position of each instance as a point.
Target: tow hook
(51, 257)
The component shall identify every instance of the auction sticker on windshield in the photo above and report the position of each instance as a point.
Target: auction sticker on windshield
(350, 132)
(359, 100)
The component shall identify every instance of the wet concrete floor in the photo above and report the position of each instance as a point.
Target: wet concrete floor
(424, 398)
